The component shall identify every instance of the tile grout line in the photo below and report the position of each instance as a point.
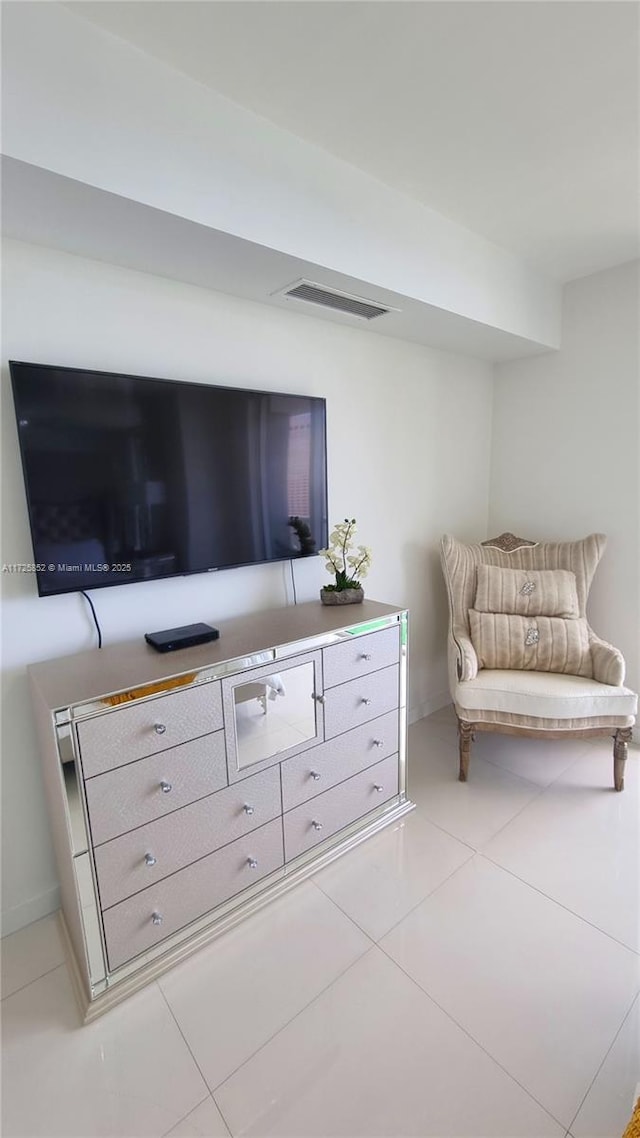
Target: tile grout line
(478, 849)
(344, 913)
(588, 1090)
(466, 1032)
(278, 1030)
(34, 980)
(474, 849)
(534, 798)
(198, 1067)
(442, 830)
(167, 1133)
(554, 901)
(547, 785)
(430, 893)
(504, 770)
(292, 1018)
(540, 790)
(479, 853)
(428, 896)
(551, 899)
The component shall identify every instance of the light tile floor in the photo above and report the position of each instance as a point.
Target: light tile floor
(471, 972)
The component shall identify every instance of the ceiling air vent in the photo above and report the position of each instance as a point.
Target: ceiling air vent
(337, 301)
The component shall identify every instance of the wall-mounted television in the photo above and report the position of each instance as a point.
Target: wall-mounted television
(130, 478)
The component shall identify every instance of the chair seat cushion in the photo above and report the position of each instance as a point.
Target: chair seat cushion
(548, 695)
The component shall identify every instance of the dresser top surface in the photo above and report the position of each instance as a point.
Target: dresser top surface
(92, 674)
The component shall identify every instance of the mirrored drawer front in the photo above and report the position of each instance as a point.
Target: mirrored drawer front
(120, 800)
(358, 655)
(146, 919)
(311, 823)
(307, 775)
(360, 700)
(136, 860)
(131, 732)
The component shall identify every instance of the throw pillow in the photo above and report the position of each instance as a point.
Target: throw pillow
(531, 643)
(531, 592)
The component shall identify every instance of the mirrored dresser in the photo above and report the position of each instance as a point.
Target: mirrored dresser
(189, 788)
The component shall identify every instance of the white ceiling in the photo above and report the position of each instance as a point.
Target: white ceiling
(518, 119)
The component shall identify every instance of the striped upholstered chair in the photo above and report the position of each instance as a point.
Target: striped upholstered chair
(522, 657)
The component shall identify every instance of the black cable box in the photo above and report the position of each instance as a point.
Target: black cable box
(169, 639)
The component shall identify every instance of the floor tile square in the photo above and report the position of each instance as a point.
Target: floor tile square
(579, 842)
(541, 990)
(381, 880)
(128, 1073)
(373, 1057)
(540, 761)
(610, 1102)
(30, 953)
(472, 811)
(235, 994)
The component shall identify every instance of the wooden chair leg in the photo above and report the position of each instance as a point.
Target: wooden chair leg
(465, 733)
(620, 740)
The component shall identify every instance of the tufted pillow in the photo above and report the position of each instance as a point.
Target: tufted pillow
(531, 643)
(531, 592)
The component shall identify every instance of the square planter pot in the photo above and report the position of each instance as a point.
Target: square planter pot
(342, 596)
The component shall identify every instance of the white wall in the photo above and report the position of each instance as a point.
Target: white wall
(85, 104)
(565, 450)
(408, 448)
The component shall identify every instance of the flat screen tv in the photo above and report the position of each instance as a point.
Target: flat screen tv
(131, 479)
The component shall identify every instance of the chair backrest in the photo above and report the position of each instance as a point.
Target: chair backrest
(459, 561)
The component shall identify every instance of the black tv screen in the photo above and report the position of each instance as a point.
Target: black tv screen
(131, 479)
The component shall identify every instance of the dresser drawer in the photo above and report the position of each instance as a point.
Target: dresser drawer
(122, 799)
(139, 859)
(313, 772)
(312, 823)
(358, 655)
(131, 732)
(361, 700)
(130, 928)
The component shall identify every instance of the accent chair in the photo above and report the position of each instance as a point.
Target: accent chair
(523, 659)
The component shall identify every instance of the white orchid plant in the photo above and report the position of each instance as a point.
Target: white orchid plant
(347, 565)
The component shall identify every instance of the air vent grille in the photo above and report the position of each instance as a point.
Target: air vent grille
(340, 302)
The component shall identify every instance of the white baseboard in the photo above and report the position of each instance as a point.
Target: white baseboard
(29, 911)
(428, 706)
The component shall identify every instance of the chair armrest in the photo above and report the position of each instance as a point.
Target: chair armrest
(608, 662)
(465, 657)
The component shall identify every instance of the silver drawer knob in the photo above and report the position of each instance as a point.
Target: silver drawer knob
(317, 825)
(378, 788)
(159, 728)
(315, 775)
(157, 918)
(377, 742)
(366, 656)
(247, 809)
(165, 786)
(366, 702)
(149, 859)
(319, 698)
(252, 863)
